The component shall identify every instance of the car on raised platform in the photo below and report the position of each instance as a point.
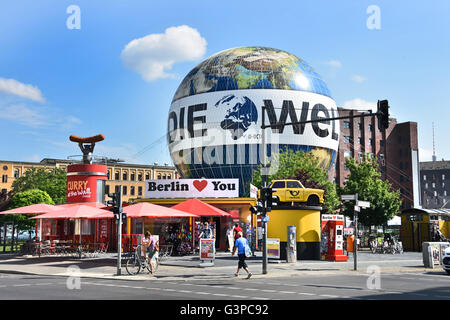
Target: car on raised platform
(285, 191)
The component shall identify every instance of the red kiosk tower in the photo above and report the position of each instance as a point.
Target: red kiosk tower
(86, 181)
(332, 240)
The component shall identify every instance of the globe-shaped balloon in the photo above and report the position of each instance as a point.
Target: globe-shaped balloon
(215, 119)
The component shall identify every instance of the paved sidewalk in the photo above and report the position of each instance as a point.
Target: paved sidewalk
(188, 267)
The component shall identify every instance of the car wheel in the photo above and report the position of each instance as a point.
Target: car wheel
(313, 201)
(448, 272)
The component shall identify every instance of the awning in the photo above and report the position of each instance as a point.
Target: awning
(38, 208)
(200, 208)
(145, 209)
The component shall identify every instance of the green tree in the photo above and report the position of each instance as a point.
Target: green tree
(303, 166)
(51, 181)
(22, 199)
(364, 179)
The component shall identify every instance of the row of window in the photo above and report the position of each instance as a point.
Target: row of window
(125, 190)
(435, 193)
(348, 125)
(433, 185)
(139, 176)
(433, 177)
(348, 139)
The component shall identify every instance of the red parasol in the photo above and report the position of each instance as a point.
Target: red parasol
(38, 208)
(74, 212)
(145, 209)
(200, 208)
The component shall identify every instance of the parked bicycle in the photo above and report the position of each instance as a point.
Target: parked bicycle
(137, 262)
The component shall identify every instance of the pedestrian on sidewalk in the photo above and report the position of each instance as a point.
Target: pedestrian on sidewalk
(240, 245)
(150, 247)
(207, 232)
(236, 231)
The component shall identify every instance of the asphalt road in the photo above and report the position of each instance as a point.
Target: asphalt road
(358, 286)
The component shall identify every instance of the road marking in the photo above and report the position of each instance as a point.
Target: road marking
(219, 294)
(259, 298)
(251, 289)
(184, 291)
(201, 292)
(328, 296)
(21, 285)
(288, 292)
(267, 290)
(241, 297)
(306, 293)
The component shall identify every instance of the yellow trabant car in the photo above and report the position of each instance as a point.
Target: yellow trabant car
(294, 191)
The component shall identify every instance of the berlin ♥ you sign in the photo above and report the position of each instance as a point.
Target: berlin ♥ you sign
(192, 188)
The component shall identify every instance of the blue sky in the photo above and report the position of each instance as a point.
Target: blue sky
(56, 81)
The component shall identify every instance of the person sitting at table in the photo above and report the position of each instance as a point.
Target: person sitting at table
(150, 246)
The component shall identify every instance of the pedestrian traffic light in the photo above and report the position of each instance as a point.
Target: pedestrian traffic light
(383, 114)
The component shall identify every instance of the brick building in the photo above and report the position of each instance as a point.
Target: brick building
(396, 150)
(435, 184)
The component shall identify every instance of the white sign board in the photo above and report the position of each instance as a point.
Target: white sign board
(347, 197)
(335, 217)
(364, 204)
(253, 191)
(192, 188)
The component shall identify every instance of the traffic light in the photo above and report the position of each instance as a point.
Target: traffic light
(266, 197)
(383, 114)
(256, 209)
(115, 200)
(116, 203)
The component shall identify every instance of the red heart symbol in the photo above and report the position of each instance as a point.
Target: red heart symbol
(200, 185)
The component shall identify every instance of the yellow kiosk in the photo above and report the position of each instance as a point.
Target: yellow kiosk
(421, 225)
(306, 219)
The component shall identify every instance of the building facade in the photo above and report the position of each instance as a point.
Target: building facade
(435, 184)
(128, 177)
(396, 150)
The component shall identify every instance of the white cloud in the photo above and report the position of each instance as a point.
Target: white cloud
(20, 89)
(358, 78)
(153, 55)
(334, 63)
(360, 104)
(23, 115)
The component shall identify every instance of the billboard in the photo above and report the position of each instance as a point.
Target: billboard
(192, 188)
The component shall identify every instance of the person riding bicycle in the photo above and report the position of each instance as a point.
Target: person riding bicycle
(388, 238)
(150, 247)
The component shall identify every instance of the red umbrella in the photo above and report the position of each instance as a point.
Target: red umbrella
(145, 209)
(200, 208)
(73, 212)
(33, 209)
(91, 204)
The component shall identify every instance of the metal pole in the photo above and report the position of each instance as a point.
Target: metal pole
(119, 236)
(264, 183)
(355, 244)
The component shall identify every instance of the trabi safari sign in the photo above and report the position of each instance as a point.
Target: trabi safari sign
(192, 188)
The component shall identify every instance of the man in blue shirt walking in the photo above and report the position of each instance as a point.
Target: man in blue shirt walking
(240, 244)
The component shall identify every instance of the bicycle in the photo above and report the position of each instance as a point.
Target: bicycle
(137, 262)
